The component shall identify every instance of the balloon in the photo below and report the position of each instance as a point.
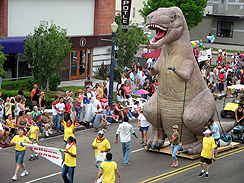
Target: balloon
(149, 36)
(212, 40)
(241, 54)
(196, 46)
(193, 46)
(212, 36)
(194, 43)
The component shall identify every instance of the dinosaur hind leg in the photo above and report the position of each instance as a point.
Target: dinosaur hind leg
(150, 111)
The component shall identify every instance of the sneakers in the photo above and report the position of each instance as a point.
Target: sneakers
(36, 157)
(49, 131)
(133, 117)
(173, 165)
(201, 174)
(14, 178)
(47, 135)
(31, 158)
(108, 123)
(206, 176)
(129, 118)
(24, 173)
(176, 164)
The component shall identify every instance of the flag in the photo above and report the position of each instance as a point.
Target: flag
(52, 154)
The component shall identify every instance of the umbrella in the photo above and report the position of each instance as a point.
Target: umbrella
(153, 54)
(141, 91)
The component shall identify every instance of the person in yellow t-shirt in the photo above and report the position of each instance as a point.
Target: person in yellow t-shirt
(100, 144)
(33, 132)
(108, 169)
(68, 128)
(207, 154)
(10, 122)
(20, 152)
(69, 160)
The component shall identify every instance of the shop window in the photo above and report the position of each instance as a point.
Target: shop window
(225, 29)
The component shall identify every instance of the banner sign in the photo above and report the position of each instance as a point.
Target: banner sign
(51, 154)
(205, 55)
(125, 11)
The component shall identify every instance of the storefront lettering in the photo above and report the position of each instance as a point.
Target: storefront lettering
(82, 42)
(126, 4)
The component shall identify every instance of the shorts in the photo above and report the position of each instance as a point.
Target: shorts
(217, 142)
(32, 140)
(19, 156)
(47, 125)
(208, 161)
(143, 128)
(221, 86)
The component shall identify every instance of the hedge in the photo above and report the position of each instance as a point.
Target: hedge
(23, 84)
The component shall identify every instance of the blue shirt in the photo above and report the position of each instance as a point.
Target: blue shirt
(132, 77)
(215, 129)
(107, 113)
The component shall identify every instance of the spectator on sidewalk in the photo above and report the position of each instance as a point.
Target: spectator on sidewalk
(100, 122)
(136, 109)
(55, 113)
(124, 131)
(68, 110)
(4, 130)
(46, 122)
(35, 112)
(10, 122)
(105, 90)
(78, 106)
(8, 106)
(33, 92)
(61, 109)
(87, 96)
(108, 169)
(97, 104)
(121, 93)
(132, 80)
(142, 80)
(108, 115)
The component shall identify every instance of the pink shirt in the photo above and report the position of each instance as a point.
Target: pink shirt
(127, 89)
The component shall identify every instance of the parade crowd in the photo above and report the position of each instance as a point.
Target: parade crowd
(90, 107)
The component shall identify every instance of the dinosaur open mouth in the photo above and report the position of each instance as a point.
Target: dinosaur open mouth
(160, 32)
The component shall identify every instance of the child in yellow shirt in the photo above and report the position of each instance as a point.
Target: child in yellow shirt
(34, 132)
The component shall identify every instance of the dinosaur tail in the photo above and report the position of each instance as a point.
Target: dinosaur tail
(226, 126)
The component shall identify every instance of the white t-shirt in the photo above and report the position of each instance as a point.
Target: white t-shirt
(125, 130)
(97, 102)
(60, 106)
(149, 62)
(1, 112)
(143, 121)
(133, 108)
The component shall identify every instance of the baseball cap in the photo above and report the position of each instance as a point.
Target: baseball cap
(176, 126)
(67, 91)
(207, 132)
(101, 132)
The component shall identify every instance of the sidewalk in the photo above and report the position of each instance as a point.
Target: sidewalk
(224, 46)
(81, 82)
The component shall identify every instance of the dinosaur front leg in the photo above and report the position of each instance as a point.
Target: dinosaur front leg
(150, 111)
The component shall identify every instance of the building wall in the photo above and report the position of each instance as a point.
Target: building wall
(75, 15)
(202, 30)
(4, 17)
(104, 16)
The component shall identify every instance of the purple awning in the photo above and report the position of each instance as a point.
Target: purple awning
(13, 44)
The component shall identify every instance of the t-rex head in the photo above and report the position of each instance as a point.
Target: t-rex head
(169, 24)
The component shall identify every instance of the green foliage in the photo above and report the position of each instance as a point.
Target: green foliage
(118, 19)
(128, 45)
(117, 75)
(192, 10)
(55, 81)
(2, 59)
(45, 50)
(23, 84)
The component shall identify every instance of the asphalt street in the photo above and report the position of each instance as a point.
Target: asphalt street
(145, 166)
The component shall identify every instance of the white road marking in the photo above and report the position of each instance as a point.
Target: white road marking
(35, 180)
(137, 150)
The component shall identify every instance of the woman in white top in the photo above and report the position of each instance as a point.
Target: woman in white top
(19, 107)
(143, 126)
(123, 79)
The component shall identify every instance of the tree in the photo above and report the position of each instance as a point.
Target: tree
(2, 59)
(128, 45)
(193, 10)
(45, 51)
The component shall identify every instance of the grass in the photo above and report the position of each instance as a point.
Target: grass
(217, 49)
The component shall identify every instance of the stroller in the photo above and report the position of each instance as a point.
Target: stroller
(237, 133)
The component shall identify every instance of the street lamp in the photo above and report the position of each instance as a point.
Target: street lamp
(114, 28)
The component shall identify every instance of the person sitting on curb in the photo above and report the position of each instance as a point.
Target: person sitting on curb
(46, 122)
(100, 122)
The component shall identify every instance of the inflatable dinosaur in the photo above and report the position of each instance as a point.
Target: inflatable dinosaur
(182, 97)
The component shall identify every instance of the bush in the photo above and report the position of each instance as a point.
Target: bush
(27, 84)
(23, 84)
(102, 71)
(117, 75)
